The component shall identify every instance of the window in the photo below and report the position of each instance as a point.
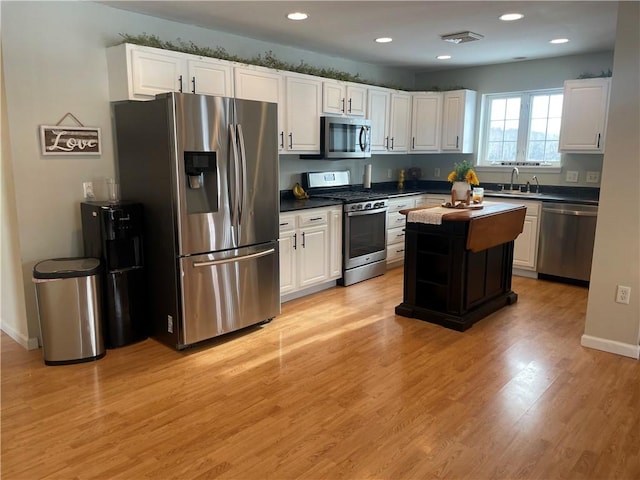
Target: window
(521, 129)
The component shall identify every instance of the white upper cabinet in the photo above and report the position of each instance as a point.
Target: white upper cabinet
(585, 107)
(389, 112)
(303, 103)
(400, 118)
(140, 73)
(339, 98)
(458, 120)
(426, 122)
(378, 113)
(263, 85)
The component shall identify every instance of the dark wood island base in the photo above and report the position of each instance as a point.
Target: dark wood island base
(459, 272)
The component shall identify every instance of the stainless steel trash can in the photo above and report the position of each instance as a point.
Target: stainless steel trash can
(69, 308)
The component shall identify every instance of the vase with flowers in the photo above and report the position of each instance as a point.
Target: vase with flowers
(461, 178)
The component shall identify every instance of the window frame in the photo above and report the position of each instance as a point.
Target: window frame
(524, 123)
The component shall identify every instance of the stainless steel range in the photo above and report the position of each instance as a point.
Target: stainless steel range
(364, 224)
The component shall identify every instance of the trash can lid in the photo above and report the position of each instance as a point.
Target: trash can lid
(66, 268)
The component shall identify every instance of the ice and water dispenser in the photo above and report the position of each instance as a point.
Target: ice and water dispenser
(112, 232)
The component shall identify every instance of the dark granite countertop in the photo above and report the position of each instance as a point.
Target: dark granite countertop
(548, 193)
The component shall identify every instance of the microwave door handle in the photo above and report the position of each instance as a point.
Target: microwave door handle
(243, 172)
(363, 133)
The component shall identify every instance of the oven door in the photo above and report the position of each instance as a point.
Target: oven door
(365, 238)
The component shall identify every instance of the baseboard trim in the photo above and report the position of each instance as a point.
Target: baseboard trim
(306, 291)
(611, 346)
(23, 340)
(525, 273)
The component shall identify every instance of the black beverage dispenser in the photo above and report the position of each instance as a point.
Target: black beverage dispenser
(112, 232)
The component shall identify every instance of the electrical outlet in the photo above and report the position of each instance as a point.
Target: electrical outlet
(389, 173)
(87, 190)
(436, 172)
(622, 294)
(572, 176)
(593, 177)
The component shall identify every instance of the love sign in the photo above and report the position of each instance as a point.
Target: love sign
(63, 140)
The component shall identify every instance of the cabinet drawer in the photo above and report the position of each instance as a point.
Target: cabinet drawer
(395, 220)
(397, 204)
(287, 223)
(395, 235)
(533, 208)
(395, 252)
(312, 218)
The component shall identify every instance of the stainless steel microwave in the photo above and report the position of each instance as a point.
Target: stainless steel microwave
(345, 137)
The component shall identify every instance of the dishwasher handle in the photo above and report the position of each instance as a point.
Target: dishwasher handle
(565, 211)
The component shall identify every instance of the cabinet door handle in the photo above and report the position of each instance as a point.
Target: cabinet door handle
(295, 241)
(392, 143)
(413, 143)
(303, 243)
(180, 80)
(457, 140)
(349, 105)
(281, 139)
(291, 140)
(284, 224)
(598, 145)
(386, 142)
(314, 219)
(400, 251)
(342, 105)
(193, 82)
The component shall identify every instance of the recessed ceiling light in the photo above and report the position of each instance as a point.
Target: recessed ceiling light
(384, 39)
(443, 57)
(559, 40)
(297, 16)
(510, 17)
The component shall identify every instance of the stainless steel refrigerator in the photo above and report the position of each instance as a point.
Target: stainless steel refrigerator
(206, 171)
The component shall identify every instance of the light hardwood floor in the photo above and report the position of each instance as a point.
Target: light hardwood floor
(337, 387)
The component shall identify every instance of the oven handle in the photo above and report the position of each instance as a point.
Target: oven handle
(357, 213)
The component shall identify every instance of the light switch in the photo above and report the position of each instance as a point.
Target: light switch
(572, 176)
(593, 177)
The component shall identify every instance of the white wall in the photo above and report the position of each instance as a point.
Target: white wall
(616, 261)
(54, 62)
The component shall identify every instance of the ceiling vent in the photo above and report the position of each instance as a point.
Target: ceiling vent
(462, 37)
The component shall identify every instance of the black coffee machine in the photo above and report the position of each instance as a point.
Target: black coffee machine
(112, 232)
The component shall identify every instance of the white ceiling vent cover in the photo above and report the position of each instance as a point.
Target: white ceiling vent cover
(462, 37)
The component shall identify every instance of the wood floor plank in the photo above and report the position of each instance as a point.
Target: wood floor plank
(337, 387)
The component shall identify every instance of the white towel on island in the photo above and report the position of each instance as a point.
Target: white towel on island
(432, 216)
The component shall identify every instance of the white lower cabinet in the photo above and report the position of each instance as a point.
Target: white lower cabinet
(310, 248)
(395, 226)
(525, 247)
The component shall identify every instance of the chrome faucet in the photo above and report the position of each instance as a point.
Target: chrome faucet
(537, 183)
(517, 172)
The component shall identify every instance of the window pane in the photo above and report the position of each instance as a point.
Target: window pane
(553, 129)
(496, 132)
(509, 152)
(511, 130)
(555, 106)
(497, 109)
(540, 106)
(536, 151)
(513, 108)
(551, 151)
(538, 129)
(494, 151)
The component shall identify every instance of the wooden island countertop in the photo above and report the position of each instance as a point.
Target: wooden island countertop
(458, 269)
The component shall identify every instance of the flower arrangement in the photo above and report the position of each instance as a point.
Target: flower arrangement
(462, 172)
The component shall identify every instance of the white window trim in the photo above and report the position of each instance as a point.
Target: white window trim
(523, 165)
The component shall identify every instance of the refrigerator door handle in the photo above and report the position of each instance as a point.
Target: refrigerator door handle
(251, 256)
(243, 171)
(235, 180)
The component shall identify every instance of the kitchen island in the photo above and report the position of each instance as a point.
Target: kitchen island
(458, 262)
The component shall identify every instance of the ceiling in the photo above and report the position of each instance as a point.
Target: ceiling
(347, 29)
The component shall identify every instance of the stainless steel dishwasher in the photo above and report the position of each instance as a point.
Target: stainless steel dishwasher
(567, 233)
